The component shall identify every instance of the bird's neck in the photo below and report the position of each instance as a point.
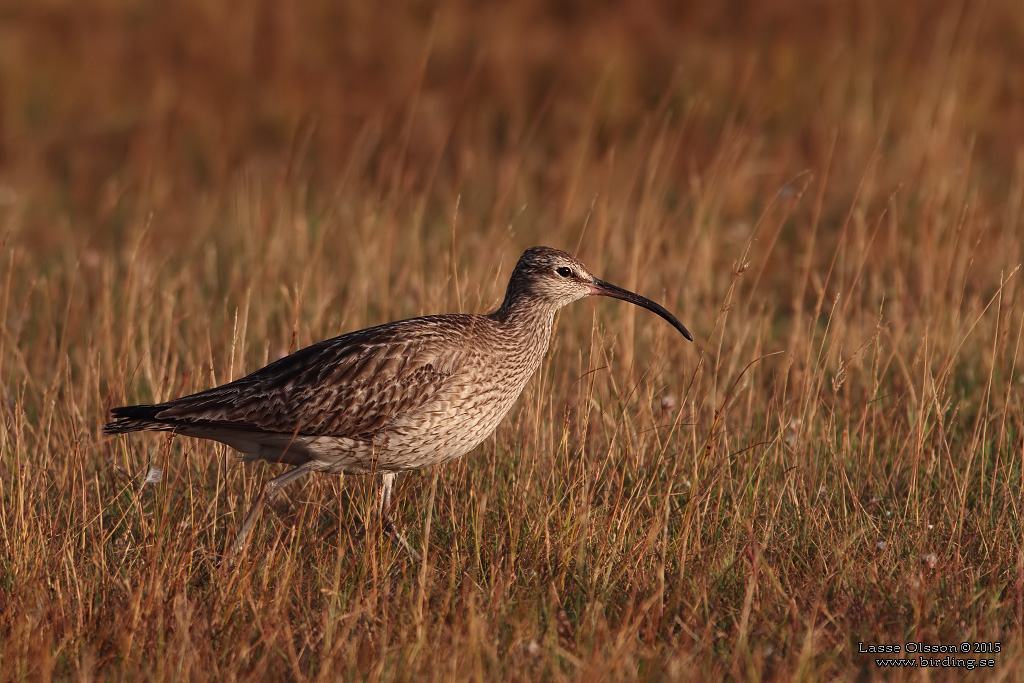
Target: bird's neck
(524, 327)
(526, 319)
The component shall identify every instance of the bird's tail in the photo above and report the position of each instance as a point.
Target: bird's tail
(135, 419)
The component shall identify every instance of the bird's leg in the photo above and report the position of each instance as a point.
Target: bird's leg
(270, 489)
(387, 523)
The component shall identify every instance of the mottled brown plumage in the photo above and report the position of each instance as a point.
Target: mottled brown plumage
(395, 397)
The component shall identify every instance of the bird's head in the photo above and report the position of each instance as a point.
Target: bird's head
(553, 278)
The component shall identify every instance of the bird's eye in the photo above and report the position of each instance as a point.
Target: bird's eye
(564, 271)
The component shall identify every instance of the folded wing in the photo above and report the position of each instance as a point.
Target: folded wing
(351, 386)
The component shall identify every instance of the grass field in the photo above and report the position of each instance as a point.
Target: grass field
(829, 195)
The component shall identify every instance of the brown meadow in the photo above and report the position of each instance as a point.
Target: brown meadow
(830, 196)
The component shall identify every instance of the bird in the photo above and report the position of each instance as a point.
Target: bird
(391, 398)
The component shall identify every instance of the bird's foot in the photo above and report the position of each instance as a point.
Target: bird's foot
(392, 531)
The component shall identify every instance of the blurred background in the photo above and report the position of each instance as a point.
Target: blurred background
(114, 110)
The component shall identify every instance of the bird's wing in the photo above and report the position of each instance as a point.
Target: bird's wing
(350, 386)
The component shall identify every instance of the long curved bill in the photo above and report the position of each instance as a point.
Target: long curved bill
(602, 288)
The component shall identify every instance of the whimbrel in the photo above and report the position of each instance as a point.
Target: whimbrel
(390, 398)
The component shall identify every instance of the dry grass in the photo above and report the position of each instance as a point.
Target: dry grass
(187, 191)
